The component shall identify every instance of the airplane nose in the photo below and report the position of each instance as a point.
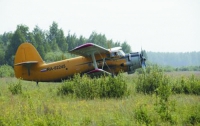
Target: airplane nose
(136, 60)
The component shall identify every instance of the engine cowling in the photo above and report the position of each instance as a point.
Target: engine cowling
(134, 61)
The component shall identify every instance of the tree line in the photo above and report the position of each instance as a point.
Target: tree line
(179, 60)
(51, 44)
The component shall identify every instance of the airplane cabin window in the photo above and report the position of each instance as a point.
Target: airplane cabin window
(121, 53)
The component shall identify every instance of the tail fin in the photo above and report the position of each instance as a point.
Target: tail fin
(26, 57)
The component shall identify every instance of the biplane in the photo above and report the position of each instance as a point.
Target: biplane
(93, 60)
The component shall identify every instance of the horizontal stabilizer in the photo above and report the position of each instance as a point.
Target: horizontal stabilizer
(26, 63)
(98, 72)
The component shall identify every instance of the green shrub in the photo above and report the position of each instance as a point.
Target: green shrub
(148, 82)
(113, 87)
(154, 77)
(177, 87)
(186, 85)
(164, 89)
(164, 107)
(194, 85)
(194, 116)
(2, 122)
(15, 88)
(142, 116)
(6, 71)
(86, 88)
(66, 88)
(154, 81)
(39, 122)
(87, 121)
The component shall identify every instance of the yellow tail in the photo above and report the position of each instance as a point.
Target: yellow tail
(27, 59)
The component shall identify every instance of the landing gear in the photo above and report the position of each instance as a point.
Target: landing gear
(113, 75)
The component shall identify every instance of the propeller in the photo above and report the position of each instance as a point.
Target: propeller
(143, 58)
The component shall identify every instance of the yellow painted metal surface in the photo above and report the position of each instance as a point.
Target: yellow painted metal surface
(30, 66)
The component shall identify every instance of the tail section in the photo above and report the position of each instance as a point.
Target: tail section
(26, 59)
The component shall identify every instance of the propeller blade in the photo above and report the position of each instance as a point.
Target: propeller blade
(143, 58)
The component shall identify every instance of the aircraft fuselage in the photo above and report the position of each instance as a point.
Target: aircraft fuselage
(60, 70)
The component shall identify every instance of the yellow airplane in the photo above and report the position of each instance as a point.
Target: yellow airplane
(94, 60)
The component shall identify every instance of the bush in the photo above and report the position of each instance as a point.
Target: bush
(194, 85)
(154, 81)
(177, 87)
(6, 71)
(66, 88)
(164, 89)
(15, 88)
(187, 85)
(2, 123)
(87, 88)
(194, 116)
(142, 116)
(148, 82)
(113, 87)
(164, 106)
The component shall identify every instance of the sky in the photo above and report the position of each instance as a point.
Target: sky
(153, 25)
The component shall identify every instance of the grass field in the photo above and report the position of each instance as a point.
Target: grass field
(41, 106)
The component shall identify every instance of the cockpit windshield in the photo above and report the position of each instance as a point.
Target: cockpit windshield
(121, 53)
(117, 53)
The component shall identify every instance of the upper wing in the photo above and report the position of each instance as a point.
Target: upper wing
(88, 49)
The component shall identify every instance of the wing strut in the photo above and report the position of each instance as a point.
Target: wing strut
(103, 63)
(94, 61)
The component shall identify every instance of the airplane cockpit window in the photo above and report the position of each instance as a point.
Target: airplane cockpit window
(117, 53)
(121, 53)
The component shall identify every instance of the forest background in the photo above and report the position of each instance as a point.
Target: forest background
(53, 45)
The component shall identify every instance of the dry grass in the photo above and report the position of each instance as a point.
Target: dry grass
(184, 73)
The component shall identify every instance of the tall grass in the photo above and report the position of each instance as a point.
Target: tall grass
(58, 104)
